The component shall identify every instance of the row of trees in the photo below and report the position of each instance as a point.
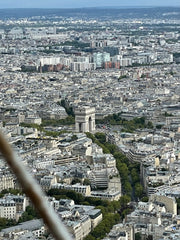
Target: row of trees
(130, 178)
(112, 211)
(130, 175)
(127, 125)
(69, 120)
(104, 227)
(4, 223)
(128, 171)
(10, 190)
(42, 129)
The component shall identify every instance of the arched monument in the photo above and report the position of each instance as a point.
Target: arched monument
(85, 119)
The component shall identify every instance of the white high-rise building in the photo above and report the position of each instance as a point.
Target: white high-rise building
(100, 58)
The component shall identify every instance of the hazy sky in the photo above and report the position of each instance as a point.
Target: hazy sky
(83, 3)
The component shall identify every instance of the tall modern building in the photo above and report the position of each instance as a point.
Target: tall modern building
(100, 58)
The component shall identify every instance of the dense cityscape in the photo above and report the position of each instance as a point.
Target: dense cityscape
(90, 102)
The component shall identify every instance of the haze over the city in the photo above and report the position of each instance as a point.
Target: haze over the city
(90, 103)
(83, 3)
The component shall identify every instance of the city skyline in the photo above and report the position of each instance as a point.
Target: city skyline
(84, 3)
(90, 105)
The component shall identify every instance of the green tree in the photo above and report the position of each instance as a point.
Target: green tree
(125, 212)
(105, 226)
(124, 200)
(145, 199)
(120, 157)
(76, 180)
(12, 191)
(116, 205)
(101, 137)
(150, 125)
(11, 222)
(91, 136)
(128, 188)
(29, 214)
(123, 171)
(68, 108)
(86, 182)
(25, 217)
(111, 147)
(77, 197)
(89, 237)
(135, 175)
(138, 236)
(138, 190)
(3, 223)
(74, 137)
(31, 211)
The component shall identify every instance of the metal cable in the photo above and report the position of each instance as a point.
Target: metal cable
(33, 190)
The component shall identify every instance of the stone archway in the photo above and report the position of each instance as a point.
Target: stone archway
(85, 119)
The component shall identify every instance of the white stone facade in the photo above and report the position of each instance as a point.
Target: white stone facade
(85, 119)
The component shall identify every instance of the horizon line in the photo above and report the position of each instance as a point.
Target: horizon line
(99, 7)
